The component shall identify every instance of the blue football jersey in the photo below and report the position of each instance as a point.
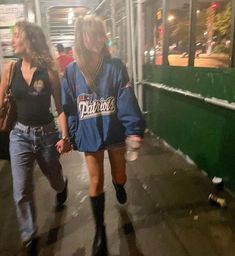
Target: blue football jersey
(103, 114)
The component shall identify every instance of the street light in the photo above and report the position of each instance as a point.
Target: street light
(171, 17)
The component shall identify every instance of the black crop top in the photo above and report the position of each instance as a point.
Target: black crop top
(32, 101)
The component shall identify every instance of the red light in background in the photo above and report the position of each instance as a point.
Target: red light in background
(215, 5)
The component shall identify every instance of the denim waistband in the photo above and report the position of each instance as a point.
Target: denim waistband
(43, 128)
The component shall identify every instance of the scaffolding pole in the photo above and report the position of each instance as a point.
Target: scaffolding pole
(140, 36)
(113, 20)
(128, 39)
(133, 46)
(38, 12)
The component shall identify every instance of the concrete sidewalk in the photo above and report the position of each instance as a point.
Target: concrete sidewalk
(168, 212)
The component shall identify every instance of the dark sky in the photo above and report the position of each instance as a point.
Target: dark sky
(176, 4)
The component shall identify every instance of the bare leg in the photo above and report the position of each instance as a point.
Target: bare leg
(95, 166)
(118, 169)
(118, 165)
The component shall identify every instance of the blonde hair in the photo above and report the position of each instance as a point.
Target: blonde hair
(93, 25)
(36, 43)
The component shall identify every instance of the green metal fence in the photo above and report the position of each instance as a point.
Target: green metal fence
(193, 112)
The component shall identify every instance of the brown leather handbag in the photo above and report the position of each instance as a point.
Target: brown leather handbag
(8, 110)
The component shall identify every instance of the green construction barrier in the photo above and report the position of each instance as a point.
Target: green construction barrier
(204, 132)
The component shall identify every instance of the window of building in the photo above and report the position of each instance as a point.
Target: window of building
(213, 30)
(179, 25)
(211, 33)
(153, 33)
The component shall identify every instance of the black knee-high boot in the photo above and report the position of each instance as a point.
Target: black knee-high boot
(99, 247)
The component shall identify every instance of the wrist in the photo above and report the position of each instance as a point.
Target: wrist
(65, 138)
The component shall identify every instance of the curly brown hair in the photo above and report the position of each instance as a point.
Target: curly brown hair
(36, 43)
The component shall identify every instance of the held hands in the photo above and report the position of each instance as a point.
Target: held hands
(63, 146)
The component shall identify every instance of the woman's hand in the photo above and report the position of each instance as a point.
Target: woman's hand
(64, 146)
(134, 138)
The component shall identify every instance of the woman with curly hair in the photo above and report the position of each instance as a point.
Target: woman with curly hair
(35, 135)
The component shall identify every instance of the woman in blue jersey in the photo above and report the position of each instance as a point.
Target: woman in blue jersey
(35, 135)
(102, 112)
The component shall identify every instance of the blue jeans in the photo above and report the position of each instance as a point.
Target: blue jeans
(28, 144)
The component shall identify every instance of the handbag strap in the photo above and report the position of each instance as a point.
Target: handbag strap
(10, 76)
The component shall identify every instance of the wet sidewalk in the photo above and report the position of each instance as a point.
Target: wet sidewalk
(168, 212)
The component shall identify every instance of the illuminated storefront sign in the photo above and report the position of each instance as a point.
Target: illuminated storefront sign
(10, 14)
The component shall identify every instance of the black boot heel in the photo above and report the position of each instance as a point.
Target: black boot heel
(99, 247)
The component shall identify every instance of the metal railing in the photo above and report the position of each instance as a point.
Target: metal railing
(213, 100)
